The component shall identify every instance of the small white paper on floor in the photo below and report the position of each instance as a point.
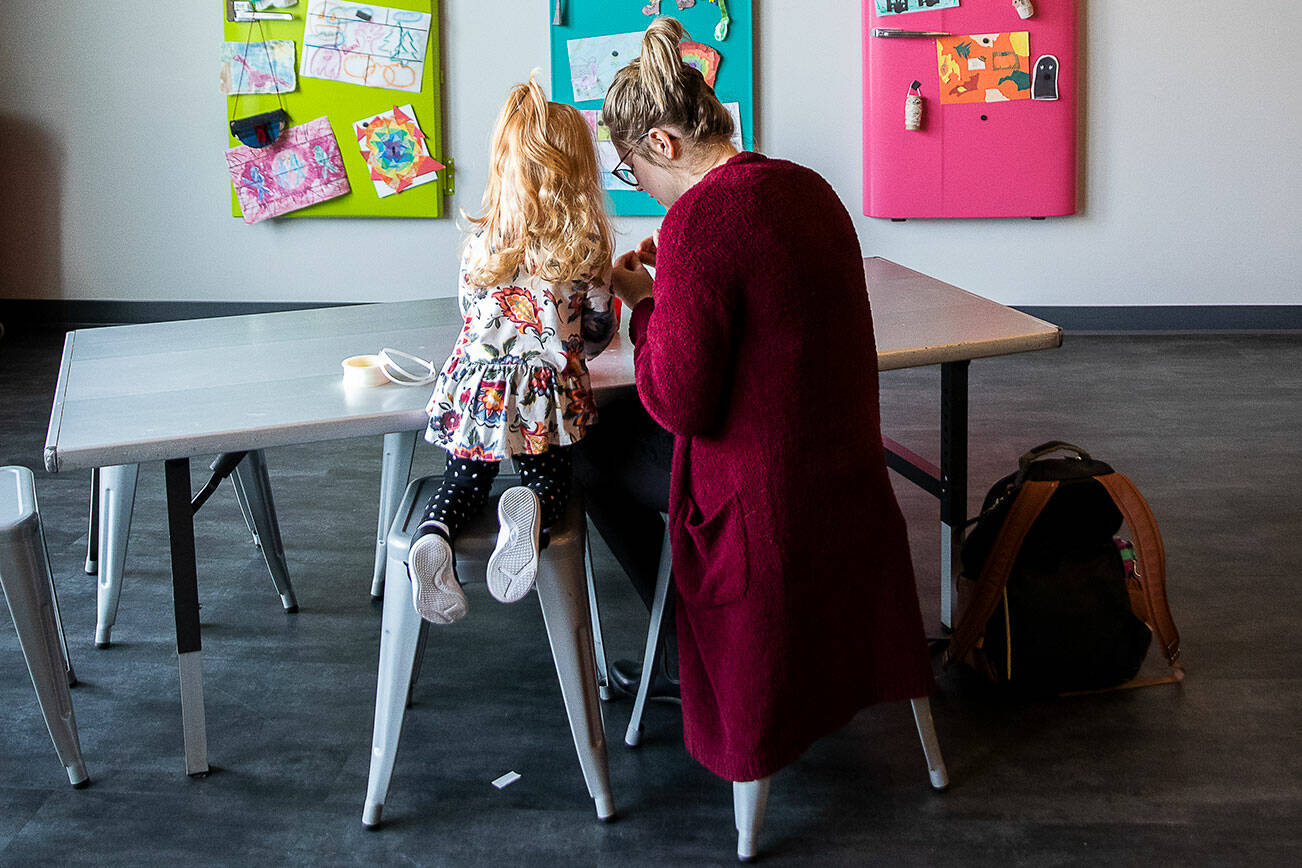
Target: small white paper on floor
(506, 780)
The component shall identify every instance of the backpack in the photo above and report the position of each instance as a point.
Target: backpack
(1052, 606)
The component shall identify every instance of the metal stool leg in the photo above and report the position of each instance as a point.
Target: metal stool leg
(598, 645)
(930, 744)
(252, 480)
(633, 736)
(69, 675)
(243, 500)
(395, 468)
(399, 631)
(569, 631)
(117, 497)
(27, 585)
(421, 643)
(749, 799)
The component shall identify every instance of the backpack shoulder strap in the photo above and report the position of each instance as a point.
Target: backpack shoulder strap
(1151, 558)
(1022, 514)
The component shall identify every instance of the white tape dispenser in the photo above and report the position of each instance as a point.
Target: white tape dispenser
(390, 366)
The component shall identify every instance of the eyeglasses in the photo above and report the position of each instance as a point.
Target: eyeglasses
(625, 173)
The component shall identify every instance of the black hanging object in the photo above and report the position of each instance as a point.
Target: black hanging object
(258, 131)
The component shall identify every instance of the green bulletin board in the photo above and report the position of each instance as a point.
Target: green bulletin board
(583, 19)
(345, 103)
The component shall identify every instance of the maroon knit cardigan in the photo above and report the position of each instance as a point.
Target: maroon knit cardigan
(797, 604)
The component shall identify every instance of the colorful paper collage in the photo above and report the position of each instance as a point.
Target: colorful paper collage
(898, 7)
(360, 43)
(395, 151)
(987, 67)
(302, 168)
(258, 67)
(595, 60)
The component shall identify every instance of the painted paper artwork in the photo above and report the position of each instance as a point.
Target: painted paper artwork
(595, 60)
(702, 58)
(607, 158)
(395, 151)
(897, 7)
(302, 168)
(360, 43)
(987, 67)
(734, 109)
(258, 67)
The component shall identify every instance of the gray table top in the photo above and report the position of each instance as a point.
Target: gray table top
(920, 320)
(131, 394)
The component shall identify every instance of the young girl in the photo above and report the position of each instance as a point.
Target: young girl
(536, 300)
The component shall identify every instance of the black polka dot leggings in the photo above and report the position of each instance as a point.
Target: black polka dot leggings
(464, 490)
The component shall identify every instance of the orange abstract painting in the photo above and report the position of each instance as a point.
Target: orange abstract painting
(987, 67)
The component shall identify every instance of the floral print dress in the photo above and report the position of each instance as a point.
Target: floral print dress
(517, 382)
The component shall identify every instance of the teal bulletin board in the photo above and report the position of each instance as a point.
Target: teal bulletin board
(584, 19)
(344, 103)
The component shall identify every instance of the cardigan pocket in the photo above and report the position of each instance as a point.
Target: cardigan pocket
(711, 569)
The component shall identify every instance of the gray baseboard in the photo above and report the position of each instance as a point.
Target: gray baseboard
(66, 314)
(1172, 318)
(74, 314)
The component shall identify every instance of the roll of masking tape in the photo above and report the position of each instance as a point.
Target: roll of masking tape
(363, 371)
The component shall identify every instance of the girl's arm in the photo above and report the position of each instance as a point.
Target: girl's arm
(597, 324)
(466, 293)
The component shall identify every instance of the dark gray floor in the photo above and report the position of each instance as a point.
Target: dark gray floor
(1203, 773)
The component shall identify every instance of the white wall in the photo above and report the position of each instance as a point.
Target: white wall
(112, 131)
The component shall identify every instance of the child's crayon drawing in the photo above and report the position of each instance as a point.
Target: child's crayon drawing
(258, 67)
(607, 157)
(595, 60)
(360, 43)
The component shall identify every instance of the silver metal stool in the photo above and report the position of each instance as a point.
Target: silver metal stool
(113, 496)
(564, 601)
(750, 797)
(29, 589)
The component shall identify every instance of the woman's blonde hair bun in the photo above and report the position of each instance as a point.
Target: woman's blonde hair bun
(659, 90)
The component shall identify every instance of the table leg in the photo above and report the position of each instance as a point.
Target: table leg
(92, 530)
(395, 468)
(953, 480)
(185, 602)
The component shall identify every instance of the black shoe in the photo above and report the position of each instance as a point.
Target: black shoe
(626, 675)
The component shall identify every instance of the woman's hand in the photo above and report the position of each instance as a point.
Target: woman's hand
(646, 251)
(629, 279)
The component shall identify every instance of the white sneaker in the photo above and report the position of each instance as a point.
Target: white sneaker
(513, 565)
(435, 591)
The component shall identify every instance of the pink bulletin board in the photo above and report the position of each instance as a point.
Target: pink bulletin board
(1013, 156)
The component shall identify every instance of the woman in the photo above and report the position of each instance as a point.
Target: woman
(754, 348)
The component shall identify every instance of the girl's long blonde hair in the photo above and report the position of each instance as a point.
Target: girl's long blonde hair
(544, 208)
